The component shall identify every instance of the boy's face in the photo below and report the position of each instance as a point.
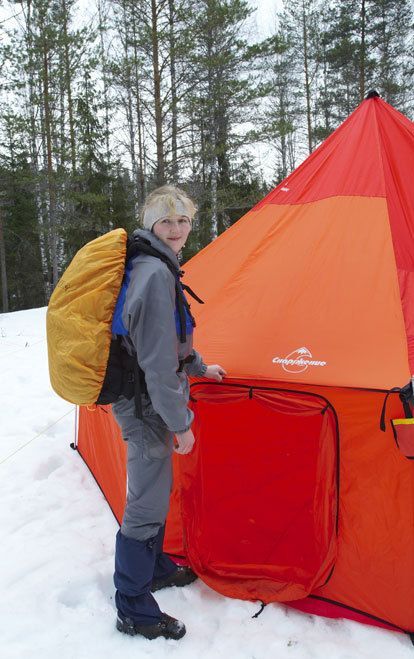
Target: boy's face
(173, 231)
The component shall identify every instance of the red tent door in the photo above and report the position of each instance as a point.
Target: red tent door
(260, 491)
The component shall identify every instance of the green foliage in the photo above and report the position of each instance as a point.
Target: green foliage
(18, 208)
(84, 137)
(246, 189)
(365, 46)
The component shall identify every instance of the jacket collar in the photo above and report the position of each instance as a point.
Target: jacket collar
(158, 244)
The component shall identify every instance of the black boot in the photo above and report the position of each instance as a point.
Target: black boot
(138, 612)
(182, 576)
(166, 572)
(167, 627)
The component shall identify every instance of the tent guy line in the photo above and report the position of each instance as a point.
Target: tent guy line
(7, 354)
(42, 432)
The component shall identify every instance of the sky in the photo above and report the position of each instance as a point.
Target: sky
(266, 14)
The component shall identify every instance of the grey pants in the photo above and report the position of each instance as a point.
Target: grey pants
(149, 473)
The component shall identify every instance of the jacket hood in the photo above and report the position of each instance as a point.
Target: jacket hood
(157, 244)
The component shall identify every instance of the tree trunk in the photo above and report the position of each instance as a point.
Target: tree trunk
(34, 149)
(101, 28)
(211, 143)
(221, 145)
(214, 214)
(362, 54)
(129, 106)
(42, 188)
(61, 148)
(88, 127)
(50, 174)
(105, 84)
(326, 112)
(174, 104)
(160, 170)
(291, 152)
(138, 112)
(3, 269)
(283, 150)
(307, 77)
(68, 84)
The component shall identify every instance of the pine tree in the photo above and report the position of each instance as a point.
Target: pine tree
(22, 277)
(366, 45)
(89, 196)
(301, 23)
(220, 101)
(282, 109)
(3, 264)
(389, 27)
(346, 57)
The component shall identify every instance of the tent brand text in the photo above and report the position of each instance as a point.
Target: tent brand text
(298, 360)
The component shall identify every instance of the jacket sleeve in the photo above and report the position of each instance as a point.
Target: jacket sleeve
(149, 311)
(196, 367)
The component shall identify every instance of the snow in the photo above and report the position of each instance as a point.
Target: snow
(56, 554)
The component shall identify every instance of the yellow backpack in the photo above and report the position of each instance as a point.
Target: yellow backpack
(79, 318)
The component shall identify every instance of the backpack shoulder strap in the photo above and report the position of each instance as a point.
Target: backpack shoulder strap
(139, 245)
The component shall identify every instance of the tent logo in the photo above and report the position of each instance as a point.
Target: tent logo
(298, 361)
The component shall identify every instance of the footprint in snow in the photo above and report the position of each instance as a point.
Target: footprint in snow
(47, 468)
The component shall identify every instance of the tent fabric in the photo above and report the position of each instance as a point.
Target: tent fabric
(374, 559)
(376, 495)
(346, 215)
(293, 492)
(330, 245)
(269, 472)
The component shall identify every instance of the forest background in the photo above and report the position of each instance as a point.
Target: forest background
(101, 102)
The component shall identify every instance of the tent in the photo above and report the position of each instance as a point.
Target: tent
(299, 489)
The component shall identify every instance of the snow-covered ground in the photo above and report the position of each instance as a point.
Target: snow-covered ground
(57, 544)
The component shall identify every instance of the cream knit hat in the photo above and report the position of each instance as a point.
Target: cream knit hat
(164, 202)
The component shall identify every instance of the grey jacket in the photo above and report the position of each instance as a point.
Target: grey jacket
(149, 317)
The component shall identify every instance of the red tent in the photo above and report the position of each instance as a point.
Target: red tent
(294, 493)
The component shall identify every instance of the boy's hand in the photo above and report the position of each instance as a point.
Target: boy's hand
(185, 442)
(215, 372)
